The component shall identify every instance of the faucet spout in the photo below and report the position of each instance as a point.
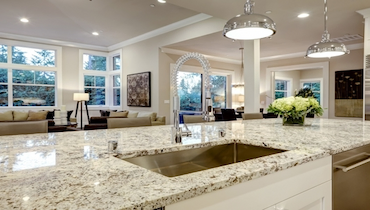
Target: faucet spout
(177, 132)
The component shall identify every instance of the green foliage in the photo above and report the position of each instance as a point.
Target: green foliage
(97, 96)
(43, 58)
(305, 93)
(93, 62)
(3, 54)
(295, 107)
(18, 56)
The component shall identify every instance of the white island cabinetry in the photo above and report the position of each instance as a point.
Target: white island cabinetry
(304, 187)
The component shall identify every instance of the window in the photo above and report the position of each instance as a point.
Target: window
(281, 88)
(3, 53)
(3, 87)
(94, 62)
(218, 91)
(315, 88)
(95, 86)
(29, 74)
(116, 90)
(101, 73)
(33, 56)
(190, 91)
(116, 62)
(33, 88)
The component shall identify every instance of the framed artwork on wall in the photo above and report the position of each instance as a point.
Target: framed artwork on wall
(138, 89)
(349, 93)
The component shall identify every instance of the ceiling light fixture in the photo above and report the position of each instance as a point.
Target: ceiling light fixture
(162, 1)
(303, 15)
(326, 48)
(249, 26)
(24, 20)
(95, 33)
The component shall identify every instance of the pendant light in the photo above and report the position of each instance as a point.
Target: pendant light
(249, 26)
(326, 48)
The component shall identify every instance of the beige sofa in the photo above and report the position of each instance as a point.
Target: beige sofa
(101, 122)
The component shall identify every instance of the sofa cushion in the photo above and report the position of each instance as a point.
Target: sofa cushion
(40, 115)
(98, 120)
(20, 116)
(132, 114)
(6, 116)
(118, 114)
(106, 113)
(152, 115)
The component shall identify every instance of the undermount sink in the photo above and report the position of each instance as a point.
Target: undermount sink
(187, 161)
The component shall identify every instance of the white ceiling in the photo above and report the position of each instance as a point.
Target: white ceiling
(293, 34)
(75, 20)
(121, 20)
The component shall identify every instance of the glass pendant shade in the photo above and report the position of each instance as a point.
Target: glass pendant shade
(249, 26)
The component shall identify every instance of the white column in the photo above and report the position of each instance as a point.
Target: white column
(251, 60)
(366, 106)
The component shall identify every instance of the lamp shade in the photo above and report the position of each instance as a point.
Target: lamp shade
(241, 98)
(80, 96)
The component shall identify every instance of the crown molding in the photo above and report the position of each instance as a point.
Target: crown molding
(209, 57)
(51, 41)
(303, 54)
(162, 30)
(364, 12)
(151, 34)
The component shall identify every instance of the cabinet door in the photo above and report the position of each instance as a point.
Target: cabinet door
(317, 198)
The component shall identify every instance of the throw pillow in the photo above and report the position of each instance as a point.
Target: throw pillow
(20, 116)
(118, 114)
(106, 113)
(69, 113)
(50, 115)
(132, 114)
(6, 116)
(40, 115)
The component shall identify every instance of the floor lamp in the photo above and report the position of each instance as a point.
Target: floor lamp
(80, 97)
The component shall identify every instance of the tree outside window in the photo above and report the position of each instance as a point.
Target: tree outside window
(315, 88)
(190, 91)
(281, 88)
(95, 86)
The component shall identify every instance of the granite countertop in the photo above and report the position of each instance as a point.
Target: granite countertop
(72, 170)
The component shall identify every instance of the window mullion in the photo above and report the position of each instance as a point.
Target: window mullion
(10, 88)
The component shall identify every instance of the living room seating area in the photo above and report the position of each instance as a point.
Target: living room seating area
(100, 122)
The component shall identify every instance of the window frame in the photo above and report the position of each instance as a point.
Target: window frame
(108, 75)
(314, 80)
(10, 66)
(289, 86)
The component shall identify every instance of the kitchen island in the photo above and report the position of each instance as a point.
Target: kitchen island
(72, 170)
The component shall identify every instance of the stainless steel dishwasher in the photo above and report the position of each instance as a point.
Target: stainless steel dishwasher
(351, 179)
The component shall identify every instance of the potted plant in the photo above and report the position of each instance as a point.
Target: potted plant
(294, 109)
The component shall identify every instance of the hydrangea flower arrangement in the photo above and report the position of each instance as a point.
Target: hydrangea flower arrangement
(296, 107)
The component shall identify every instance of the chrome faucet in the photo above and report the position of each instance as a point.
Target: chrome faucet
(177, 132)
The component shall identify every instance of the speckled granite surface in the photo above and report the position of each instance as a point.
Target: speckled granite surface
(72, 170)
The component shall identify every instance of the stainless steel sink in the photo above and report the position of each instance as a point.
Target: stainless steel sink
(187, 161)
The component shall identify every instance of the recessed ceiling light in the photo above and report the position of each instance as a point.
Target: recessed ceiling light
(162, 1)
(152, 5)
(303, 15)
(95, 33)
(24, 20)
(268, 12)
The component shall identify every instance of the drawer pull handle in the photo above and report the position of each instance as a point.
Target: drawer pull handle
(345, 169)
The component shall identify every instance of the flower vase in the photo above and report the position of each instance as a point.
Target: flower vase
(290, 121)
